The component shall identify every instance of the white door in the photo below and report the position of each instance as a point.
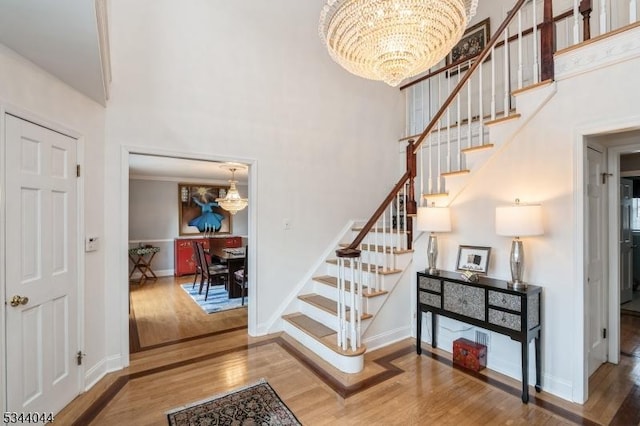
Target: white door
(596, 288)
(41, 268)
(626, 241)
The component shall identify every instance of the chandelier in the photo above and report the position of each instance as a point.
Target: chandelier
(232, 202)
(391, 40)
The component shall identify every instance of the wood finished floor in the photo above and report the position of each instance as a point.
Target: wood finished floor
(192, 358)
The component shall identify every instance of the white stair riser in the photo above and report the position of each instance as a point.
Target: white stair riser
(325, 318)
(346, 364)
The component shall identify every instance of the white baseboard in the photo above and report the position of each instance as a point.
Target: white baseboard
(387, 338)
(94, 374)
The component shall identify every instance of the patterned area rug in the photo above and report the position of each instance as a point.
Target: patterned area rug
(218, 299)
(256, 404)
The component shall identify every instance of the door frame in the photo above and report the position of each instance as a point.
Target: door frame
(123, 238)
(9, 109)
(582, 138)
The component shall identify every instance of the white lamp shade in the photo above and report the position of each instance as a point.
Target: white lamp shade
(519, 220)
(434, 219)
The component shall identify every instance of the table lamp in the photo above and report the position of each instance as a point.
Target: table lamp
(433, 219)
(517, 221)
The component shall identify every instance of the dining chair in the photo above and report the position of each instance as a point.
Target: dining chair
(209, 272)
(240, 277)
(196, 257)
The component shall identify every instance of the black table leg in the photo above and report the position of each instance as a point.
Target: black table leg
(538, 373)
(525, 371)
(419, 331)
(434, 326)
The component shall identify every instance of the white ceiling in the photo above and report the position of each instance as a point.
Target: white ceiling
(152, 166)
(59, 36)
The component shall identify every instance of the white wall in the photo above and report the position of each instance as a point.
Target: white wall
(542, 165)
(250, 81)
(25, 88)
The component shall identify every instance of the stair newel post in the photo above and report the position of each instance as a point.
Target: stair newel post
(411, 207)
(547, 41)
(346, 331)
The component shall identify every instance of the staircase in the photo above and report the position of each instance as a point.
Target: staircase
(333, 313)
(314, 318)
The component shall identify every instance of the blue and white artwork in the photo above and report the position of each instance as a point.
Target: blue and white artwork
(199, 211)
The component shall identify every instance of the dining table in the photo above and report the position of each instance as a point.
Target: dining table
(234, 259)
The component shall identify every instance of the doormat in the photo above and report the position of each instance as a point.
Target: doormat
(256, 404)
(218, 299)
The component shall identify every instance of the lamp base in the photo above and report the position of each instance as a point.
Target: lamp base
(517, 285)
(433, 271)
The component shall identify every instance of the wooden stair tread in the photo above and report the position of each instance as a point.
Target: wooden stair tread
(477, 148)
(333, 282)
(365, 267)
(434, 194)
(321, 333)
(380, 249)
(327, 305)
(310, 326)
(502, 119)
(455, 173)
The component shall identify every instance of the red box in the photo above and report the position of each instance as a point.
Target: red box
(468, 354)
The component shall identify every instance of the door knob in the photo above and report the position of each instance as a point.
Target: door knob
(19, 300)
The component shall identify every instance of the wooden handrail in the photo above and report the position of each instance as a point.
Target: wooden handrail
(353, 247)
(564, 15)
(352, 250)
(479, 59)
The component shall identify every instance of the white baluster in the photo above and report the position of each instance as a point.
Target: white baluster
(493, 83)
(469, 117)
(603, 17)
(359, 302)
(534, 38)
(507, 74)
(398, 195)
(402, 245)
(458, 105)
(480, 107)
(576, 22)
(438, 176)
(384, 235)
(520, 59)
(449, 125)
(340, 291)
(431, 168)
(421, 162)
(633, 11)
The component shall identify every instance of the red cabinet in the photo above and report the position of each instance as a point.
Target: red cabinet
(183, 256)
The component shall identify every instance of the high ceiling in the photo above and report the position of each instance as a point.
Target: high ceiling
(59, 36)
(152, 166)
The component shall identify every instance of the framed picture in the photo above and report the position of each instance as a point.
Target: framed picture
(198, 211)
(472, 43)
(473, 258)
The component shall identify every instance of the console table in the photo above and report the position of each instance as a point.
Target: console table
(490, 304)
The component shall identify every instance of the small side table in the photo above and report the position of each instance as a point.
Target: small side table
(137, 256)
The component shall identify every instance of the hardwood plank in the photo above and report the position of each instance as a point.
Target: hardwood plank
(395, 387)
